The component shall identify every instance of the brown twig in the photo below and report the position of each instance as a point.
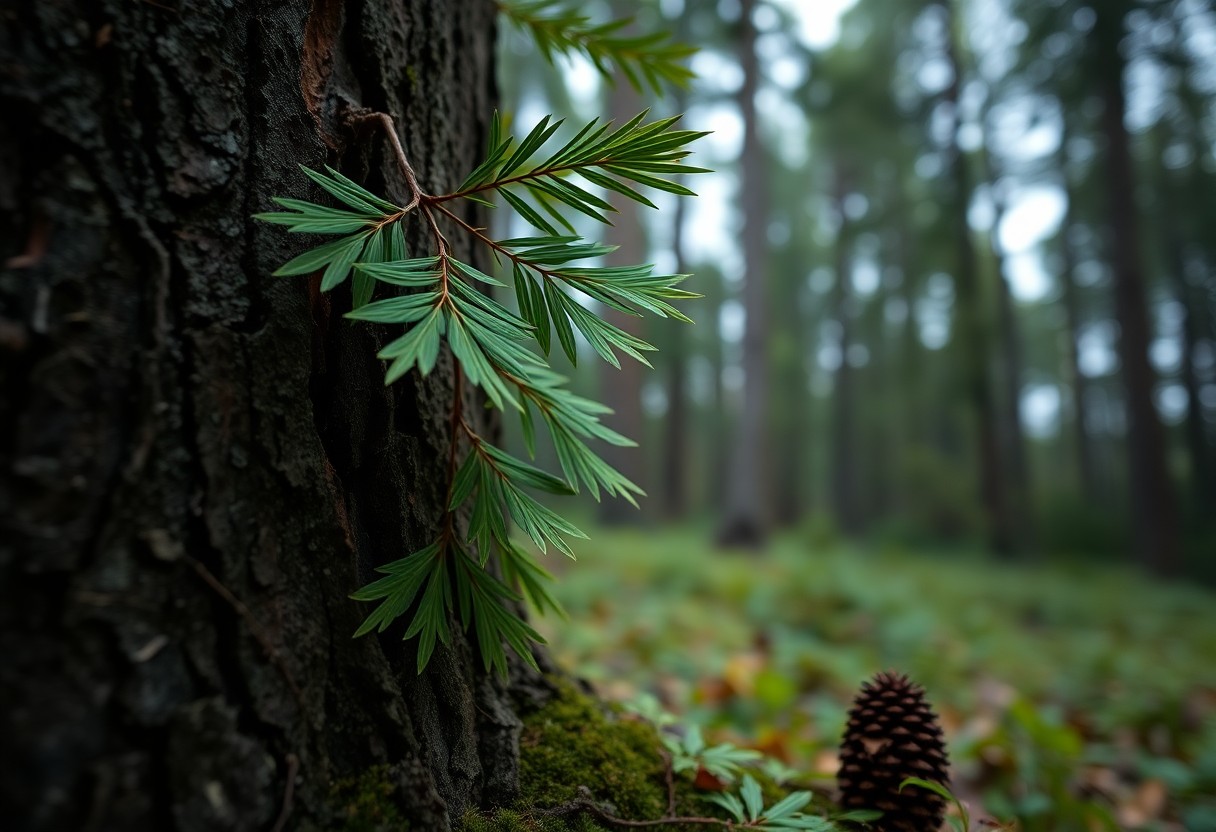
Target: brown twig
(417, 195)
(407, 170)
(587, 805)
(669, 775)
(293, 768)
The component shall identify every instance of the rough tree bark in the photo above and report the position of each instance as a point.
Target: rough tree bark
(198, 461)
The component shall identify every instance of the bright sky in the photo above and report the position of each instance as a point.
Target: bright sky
(820, 19)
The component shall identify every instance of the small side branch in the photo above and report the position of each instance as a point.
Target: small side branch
(293, 768)
(574, 807)
(407, 170)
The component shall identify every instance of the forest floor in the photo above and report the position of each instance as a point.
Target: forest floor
(1074, 697)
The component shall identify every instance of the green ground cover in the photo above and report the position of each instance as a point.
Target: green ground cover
(1074, 697)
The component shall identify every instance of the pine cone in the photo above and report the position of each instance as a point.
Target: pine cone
(893, 735)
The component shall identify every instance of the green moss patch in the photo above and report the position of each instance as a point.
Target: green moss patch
(576, 742)
(367, 802)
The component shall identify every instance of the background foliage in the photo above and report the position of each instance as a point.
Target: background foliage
(978, 350)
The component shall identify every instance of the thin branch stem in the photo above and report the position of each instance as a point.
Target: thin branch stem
(535, 173)
(669, 774)
(503, 250)
(407, 170)
(293, 768)
(584, 805)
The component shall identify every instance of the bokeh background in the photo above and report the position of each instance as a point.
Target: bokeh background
(950, 402)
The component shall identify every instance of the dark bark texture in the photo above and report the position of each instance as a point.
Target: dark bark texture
(198, 461)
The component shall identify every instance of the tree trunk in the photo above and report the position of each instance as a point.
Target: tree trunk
(621, 389)
(844, 418)
(1203, 483)
(1078, 383)
(1154, 511)
(199, 461)
(1012, 364)
(746, 518)
(792, 419)
(719, 426)
(676, 423)
(913, 432)
(973, 339)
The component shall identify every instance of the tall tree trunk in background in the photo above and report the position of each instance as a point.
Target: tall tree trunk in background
(791, 415)
(973, 341)
(1154, 507)
(1203, 487)
(1078, 382)
(879, 442)
(1012, 366)
(746, 515)
(913, 431)
(844, 418)
(676, 424)
(719, 426)
(200, 461)
(621, 389)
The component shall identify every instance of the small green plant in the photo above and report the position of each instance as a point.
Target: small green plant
(723, 761)
(960, 821)
(445, 303)
(749, 812)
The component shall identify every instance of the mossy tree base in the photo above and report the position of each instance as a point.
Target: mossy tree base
(575, 753)
(575, 750)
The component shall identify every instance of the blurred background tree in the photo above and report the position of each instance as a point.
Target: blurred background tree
(958, 275)
(954, 372)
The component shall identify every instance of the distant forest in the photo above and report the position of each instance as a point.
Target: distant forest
(958, 264)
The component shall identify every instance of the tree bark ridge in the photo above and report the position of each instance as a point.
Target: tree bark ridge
(175, 411)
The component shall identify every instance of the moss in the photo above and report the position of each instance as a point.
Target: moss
(367, 802)
(517, 820)
(574, 742)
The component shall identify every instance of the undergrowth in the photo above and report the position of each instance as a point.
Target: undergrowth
(1073, 696)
